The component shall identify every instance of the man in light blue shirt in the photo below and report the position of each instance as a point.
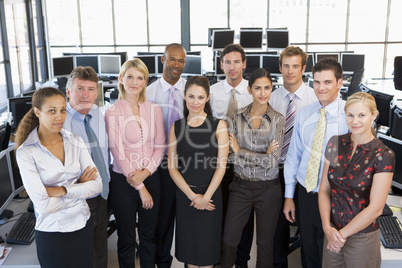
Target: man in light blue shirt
(327, 82)
(82, 88)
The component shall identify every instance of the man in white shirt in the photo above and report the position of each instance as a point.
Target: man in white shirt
(233, 63)
(161, 91)
(292, 63)
(82, 91)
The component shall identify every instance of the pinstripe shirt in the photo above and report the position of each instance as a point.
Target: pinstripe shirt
(252, 162)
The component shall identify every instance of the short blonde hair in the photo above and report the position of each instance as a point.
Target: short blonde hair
(140, 66)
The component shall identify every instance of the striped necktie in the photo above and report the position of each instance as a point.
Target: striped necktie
(314, 161)
(290, 119)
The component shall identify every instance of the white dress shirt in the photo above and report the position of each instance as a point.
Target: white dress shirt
(304, 95)
(221, 93)
(39, 169)
(158, 92)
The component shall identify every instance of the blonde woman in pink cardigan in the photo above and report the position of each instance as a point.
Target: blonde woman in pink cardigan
(137, 143)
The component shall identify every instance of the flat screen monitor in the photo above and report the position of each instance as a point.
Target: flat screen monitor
(88, 60)
(352, 62)
(150, 62)
(253, 62)
(322, 55)
(63, 66)
(210, 34)
(271, 63)
(6, 187)
(310, 63)
(251, 38)
(277, 38)
(17, 179)
(193, 65)
(109, 65)
(222, 38)
(383, 102)
(123, 55)
(396, 146)
(18, 107)
(218, 69)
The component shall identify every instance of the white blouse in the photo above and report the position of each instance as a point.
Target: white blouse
(39, 169)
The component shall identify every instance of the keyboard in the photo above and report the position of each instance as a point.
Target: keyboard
(391, 231)
(23, 231)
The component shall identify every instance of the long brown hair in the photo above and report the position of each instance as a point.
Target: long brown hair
(203, 82)
(30, 120)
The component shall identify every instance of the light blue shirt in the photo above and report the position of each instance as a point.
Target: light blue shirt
(75, 124)
(158, 92)
(302, 138)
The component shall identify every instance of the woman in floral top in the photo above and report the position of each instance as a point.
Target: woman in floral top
(355, 182)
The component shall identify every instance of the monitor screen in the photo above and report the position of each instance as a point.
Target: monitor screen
(159, 64)
(6, 187)
(319, 56)
(352, 62)
(218, 69)
(109, 65)
(271, 63)
(123, 55)
(150, 62)
(396, 146)
(277, 38)
(18, 107)
(251, 38)
(383, 102)
(87, 60)
(253, 62)
(221, 38)
(310, 63)
(193, 65)
(62, 66)
(18, 186)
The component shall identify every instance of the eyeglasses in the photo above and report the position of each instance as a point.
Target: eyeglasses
(174, 60)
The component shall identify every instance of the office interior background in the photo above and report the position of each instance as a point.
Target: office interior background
(35, 31)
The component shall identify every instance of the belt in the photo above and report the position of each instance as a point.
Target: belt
(267, 182)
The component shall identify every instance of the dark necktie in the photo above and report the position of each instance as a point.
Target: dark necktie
(97, 156)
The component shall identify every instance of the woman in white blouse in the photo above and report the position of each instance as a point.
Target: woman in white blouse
(58, 174)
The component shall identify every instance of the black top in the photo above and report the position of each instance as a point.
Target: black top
(351, 178)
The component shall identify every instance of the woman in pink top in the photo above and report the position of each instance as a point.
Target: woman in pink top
(137, 142)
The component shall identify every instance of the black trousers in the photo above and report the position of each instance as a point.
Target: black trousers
(167, 214)
(266, 198)
(100, 219)
(66, 250)
(282, 233)
(311, 233)
(246, 241)
(126, 203)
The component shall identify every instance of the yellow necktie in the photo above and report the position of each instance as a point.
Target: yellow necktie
(314, 161)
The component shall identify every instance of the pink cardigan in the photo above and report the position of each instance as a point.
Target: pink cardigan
(133, 147)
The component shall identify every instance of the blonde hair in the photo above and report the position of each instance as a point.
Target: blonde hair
(140, 66)
(30, 120)
(367, 100)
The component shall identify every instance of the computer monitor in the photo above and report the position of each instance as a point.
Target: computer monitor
(6, 187)
(271, 63)
(218, 69)
(253, 62)
(62, 66)
(322, 55)
(310, 63)
(109, 65)
(352, 62)
(396, 146)
(277, 38)
(88, 60)
(193, 65)
(150, 62)
(18, 107)
(210, 34)
(383, 102)
(17, 179)
(222, 38)
(123, 54)
(251, 38)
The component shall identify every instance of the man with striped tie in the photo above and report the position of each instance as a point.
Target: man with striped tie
(287, 100)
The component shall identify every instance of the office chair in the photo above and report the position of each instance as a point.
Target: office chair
(398, 72)
(354, 84)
